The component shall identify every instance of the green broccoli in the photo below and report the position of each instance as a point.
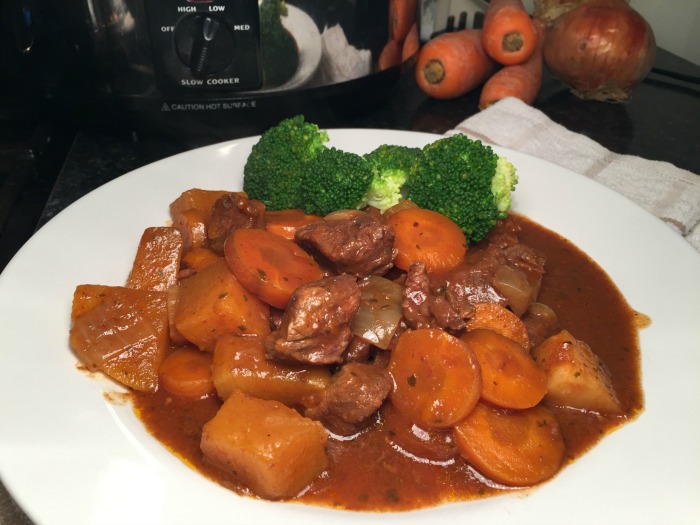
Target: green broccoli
(335, 180)
(464, 180)
(273, 171)
(391, 166)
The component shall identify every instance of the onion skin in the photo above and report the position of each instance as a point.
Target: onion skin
(601, 50)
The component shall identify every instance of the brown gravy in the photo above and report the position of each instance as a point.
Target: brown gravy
(366, 473)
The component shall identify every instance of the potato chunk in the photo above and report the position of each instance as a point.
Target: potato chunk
(240, 364)
(122, 332)
(212, 302)
(274, 450)
(196, 199)
(576, 377)
(157, 260)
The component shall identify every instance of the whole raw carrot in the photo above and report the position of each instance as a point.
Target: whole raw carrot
(411, 44)
(509, 35)
(402, 15)
(452, 64)
(521, 81)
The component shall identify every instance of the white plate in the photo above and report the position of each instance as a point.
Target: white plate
(70, 456)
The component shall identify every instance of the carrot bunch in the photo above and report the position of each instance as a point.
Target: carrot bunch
(504, 57)
(403, 40)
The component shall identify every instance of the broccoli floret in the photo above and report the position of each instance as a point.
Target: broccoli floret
(464, 180)
(335, 180)
(391, 166)
(503, 183)
(273, 171)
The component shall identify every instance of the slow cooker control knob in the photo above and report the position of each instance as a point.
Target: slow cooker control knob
(204, 43)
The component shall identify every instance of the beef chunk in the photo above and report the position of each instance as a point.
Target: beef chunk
(358, 350)
(230, 212)
(355, 392)
(355, 242)
(315, 327)
(447, 300)
(424, 308)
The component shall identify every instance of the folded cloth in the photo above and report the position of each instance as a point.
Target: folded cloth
(669, 192)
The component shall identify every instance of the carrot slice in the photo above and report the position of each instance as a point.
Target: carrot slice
(512, 447)
(497, 318)
(269, 266)
(437, 378)
(430, 444)
(426, 236)
(285, 223)
(510, 377)
(187, 372)
(509, 34)
(453, 64)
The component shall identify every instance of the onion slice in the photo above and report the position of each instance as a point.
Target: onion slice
(380, 311)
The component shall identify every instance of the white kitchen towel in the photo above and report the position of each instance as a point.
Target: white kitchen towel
(669, 192)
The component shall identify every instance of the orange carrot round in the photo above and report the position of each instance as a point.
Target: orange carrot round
(187, 372)
(286, 222)
(522, 81)
(509, 35)
(510, 377)
(513, 447)
(497, 318)
(452, 64)
(437, 380)
(429, 237)
(269, 266)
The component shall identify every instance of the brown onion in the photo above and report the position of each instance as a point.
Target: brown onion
(601, 49)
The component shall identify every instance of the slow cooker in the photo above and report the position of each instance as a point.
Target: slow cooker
(199, 67)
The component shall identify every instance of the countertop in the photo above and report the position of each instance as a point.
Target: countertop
(659, 122)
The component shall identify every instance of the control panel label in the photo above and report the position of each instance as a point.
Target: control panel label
(209, 106)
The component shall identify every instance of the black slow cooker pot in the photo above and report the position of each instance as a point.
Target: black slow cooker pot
(199, 67)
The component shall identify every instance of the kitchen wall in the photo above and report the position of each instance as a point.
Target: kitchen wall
(675, 24)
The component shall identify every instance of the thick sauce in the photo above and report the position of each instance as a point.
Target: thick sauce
(368, 473)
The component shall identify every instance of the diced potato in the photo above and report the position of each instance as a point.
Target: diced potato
(271, 448)
(122, 332)
(212, 302)
(157, 260)
(197, 259)
(240, 364)
(192, 225)
(173, 298)
(196, 199)
(576, 377)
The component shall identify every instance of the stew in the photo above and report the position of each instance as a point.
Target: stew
(387, 462)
